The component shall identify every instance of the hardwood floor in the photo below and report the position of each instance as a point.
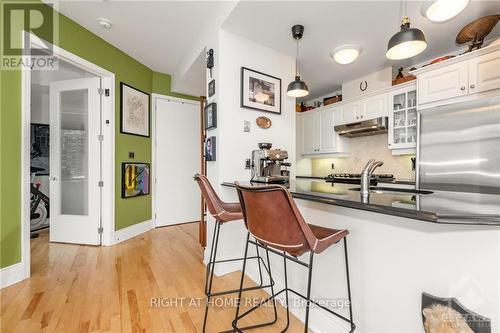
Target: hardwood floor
(114, 289)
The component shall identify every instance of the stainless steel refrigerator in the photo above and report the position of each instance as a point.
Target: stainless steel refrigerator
(458, 148)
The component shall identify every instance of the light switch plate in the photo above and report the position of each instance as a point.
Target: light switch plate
(246, 126)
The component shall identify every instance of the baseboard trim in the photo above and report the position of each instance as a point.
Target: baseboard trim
(11, 274)
(132, 231)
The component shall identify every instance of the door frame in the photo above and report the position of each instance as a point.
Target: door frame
(108, 146)
(156, 97)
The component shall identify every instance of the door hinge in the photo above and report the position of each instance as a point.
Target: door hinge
(100, 230)
(100, 137)
(100, 183)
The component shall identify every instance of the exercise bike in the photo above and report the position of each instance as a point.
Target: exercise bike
(39, 205)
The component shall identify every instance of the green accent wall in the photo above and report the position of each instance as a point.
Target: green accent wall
(75, 39)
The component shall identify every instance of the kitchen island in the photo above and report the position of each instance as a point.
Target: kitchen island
(437, 207)
(395, 255)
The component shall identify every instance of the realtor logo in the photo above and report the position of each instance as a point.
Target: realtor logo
(29, 29)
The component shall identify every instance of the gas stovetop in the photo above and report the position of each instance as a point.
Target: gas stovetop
(355, 178)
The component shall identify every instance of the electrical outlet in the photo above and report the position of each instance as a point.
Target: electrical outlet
(247, 163)
(246, 126)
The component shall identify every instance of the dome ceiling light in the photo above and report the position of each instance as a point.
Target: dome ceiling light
(345, 54)
(443, 10)
(297, 88)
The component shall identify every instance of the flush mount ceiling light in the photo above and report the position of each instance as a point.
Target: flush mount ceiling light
(297, 88)
(443, 10)
(346, 54)
(105, 23)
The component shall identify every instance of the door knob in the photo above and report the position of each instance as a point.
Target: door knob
(52, 178)
(472, 86)
(462, 88)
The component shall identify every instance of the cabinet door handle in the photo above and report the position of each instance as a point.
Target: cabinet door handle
(472, 86)
(462, 88)
(361, 117)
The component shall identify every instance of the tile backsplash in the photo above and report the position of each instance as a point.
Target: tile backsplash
(361, 149)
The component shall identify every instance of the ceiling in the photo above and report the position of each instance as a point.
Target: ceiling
(329, 24)
(160, 34)
(156, 33)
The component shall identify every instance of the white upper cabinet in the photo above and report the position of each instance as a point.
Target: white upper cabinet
(374, 107)
(443, 83)
(466, 75)
(403, 118)
(309, 139)
(484, 73)
(318, 135)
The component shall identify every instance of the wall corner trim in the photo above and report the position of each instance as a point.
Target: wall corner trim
(12, 274)
(132, 231)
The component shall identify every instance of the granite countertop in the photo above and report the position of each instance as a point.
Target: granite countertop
(437, 207)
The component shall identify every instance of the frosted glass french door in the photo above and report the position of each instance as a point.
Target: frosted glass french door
(75, 161)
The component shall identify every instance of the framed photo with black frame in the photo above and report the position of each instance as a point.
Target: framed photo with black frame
(135, 179)
(211, 88)
(210, 116)
(260, 91)
(134, 111)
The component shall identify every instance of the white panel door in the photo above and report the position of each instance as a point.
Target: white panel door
(484, 72)
(177, 196)
(446, 82)
(75, 161)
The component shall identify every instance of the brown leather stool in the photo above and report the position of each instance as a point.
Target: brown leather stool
(273, 219)
(225, 212)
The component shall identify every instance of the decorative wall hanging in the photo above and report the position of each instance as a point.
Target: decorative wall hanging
(210, 149)
(210, 61)
(135, 179)
(211, 88)
(264, 122)
(134, 111)
(211, 116)
(260, 91)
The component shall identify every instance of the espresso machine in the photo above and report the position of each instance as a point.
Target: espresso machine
(268, 165)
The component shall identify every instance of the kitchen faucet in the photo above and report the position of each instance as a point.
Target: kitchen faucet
(366, 175)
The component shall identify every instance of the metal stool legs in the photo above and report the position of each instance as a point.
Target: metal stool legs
(211, 268)
(286, 290)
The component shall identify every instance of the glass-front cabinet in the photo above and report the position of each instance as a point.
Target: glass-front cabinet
(403, 117)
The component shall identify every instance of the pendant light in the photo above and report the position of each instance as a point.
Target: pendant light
(406, 43)
(297, 88)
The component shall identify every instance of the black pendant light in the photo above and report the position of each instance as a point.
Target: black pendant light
(297, 88)
(406, 43)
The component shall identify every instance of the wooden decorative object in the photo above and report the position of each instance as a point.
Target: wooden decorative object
(263, 122)
(477, 30)
(404, 79)
(331, 100)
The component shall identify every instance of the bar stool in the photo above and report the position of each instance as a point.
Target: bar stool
(225, 212)
(274, 221)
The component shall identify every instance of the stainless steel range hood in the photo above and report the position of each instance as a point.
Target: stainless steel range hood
(363, 128)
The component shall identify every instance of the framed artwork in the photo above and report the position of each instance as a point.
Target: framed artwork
(211, 116)
(135, 179)
(260, 91)
(211, 88)
(210, 149)
(40, 148)
(134, 111)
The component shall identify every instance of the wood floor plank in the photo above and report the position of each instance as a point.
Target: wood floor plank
(76, 288)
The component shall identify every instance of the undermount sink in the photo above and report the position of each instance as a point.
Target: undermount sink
(381, 190)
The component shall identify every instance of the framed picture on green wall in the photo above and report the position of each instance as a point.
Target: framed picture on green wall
(134, 111)
(135, 179)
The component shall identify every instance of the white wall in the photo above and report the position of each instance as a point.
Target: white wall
(233, 145)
